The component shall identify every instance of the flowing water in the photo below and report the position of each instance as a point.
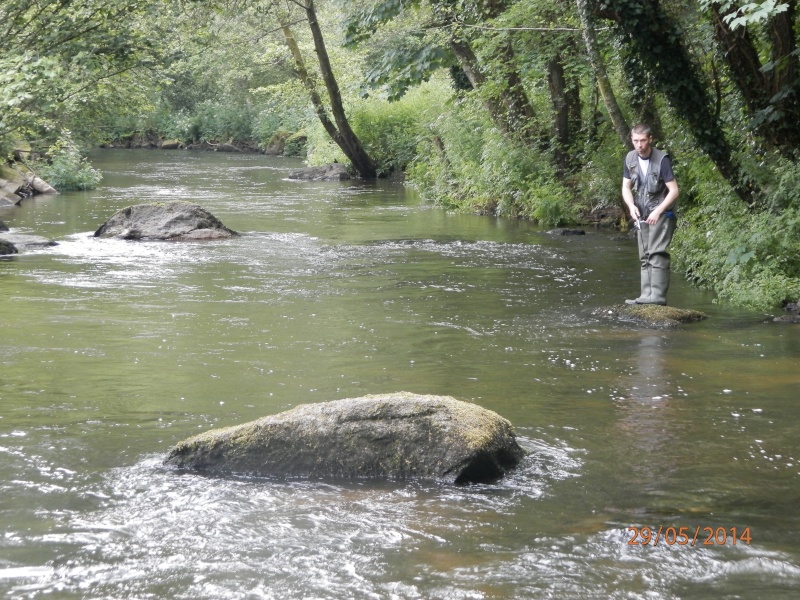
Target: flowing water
(113, 351)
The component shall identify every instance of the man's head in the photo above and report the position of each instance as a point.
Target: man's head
(642, 138)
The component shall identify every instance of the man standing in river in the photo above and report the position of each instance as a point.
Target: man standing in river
(649, 190)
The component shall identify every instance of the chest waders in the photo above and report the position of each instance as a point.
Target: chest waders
(649, 190)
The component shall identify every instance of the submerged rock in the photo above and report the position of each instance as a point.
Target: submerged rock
(331, 172)
(567, 232)
(169, 221)
(394, 436)
(790, 318)
(652, 315)
(7, 248)
(22, 240)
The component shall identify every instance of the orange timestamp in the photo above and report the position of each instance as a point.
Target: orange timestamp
(688, 536)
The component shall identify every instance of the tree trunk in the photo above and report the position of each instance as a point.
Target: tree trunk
(771, 96)
(469, 64)
(742, 58)
(518, 106)
(308, 83)
(348, 141)
(509, 108)
(603, 83)
(500, 88)
(340, 131)
(566, 115)
(784, 48)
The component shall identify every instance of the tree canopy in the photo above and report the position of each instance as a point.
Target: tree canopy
(63, 62)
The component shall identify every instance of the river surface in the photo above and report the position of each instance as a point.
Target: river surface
(113, 351)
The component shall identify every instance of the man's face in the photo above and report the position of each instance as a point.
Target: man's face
(641, 143)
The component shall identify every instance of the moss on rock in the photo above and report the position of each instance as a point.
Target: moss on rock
(395, 436)
(652, 315)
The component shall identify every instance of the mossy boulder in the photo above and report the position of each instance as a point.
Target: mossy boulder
(389, 436)
(296, 144)
(168, 221)
(652, 315)
(276, 143)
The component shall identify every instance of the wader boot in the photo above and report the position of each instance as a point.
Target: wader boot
(659, 282)
(644, 297)
(653, 242)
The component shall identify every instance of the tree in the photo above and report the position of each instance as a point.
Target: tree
(771, 89)
(601, 76)
(492, 72)
(551, 51)
(58, 57)
(339, 129)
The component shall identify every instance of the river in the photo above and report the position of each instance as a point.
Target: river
(113, 351)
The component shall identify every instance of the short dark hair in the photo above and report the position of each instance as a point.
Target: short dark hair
(642, 129)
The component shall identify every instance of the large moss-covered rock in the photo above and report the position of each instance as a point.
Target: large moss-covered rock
(394, 436)
(169, 221)
(652, 315)
(277, 143)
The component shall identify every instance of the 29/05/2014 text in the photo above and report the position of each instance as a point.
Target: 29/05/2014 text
(687, 536)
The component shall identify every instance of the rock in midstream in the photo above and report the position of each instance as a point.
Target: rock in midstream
(168, 221)
(388, 436)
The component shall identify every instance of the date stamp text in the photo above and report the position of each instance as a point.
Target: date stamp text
(688, 536)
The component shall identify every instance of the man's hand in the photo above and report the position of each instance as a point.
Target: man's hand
(659, 210)
(653, 217)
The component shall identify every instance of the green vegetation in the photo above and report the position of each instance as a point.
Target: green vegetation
(67, 169)
(511, 108)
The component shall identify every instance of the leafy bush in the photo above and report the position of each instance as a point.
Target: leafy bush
(389, 131)
(465, 163)
(749, 256)
(67, 169)
(599, 180)
(281, 106)
(6, 148)
(219, 121)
